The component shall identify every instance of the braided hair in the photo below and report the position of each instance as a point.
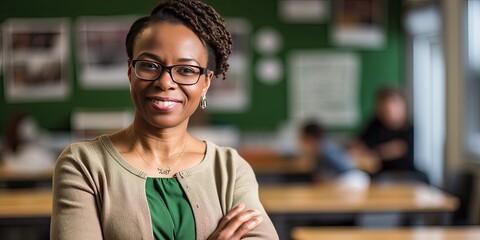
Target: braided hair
(202, 19)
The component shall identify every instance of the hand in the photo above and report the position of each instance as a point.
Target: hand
(364, 159)
(236, 223)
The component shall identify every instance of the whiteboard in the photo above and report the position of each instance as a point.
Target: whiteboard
(323, 85)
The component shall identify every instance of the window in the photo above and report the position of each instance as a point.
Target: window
(472, 80)
(428, 84)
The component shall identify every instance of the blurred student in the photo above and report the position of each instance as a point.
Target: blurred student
(388, 138)
(23, 149)
(333, 164)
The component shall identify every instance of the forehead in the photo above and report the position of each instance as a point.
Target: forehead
(170, 41)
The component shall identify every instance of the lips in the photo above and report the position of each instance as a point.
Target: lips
(163, 104)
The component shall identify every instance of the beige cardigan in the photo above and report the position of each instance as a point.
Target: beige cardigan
(98, 195)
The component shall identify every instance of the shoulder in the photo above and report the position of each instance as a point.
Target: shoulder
(226, 155)
(221, 165)
(85, 153)
(227, 160)
(81, 163)
(88, 145)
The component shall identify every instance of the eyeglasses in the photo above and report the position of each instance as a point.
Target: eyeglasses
(180, 74)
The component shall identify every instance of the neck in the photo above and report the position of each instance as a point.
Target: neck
(163, 143)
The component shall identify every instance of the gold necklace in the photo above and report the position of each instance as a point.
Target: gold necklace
(160, 170)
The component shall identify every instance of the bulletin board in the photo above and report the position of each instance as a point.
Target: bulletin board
(268, 103)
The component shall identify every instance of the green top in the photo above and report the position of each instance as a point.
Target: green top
(170, 210)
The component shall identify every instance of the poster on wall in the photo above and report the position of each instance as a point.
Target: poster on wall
(323, 85)
(359, 23)
(232, 94)
(35, 57)
(102, 60)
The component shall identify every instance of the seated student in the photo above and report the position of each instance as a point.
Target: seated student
(388, 138)
(24, 151)
(332, 162)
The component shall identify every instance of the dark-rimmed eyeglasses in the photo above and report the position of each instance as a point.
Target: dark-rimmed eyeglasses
(181, 74)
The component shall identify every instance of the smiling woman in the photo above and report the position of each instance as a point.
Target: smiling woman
(163, 100)
(152, 179)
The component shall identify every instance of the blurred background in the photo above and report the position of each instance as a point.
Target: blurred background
(359, 114)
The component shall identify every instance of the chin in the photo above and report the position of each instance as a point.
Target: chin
(166, 121)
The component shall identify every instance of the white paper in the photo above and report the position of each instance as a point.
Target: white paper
(304, 11)
(367, 37)
(89, 124)
(323, 86)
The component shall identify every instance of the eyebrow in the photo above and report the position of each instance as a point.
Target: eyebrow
(150, 55)
(188, 60)
(157, 58)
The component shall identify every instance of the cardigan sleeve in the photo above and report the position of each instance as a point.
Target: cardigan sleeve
(74, 214)
(246, 191)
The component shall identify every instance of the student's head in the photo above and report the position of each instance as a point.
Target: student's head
(391, 108)
(311, 133)
(186, 34)
(21, 129)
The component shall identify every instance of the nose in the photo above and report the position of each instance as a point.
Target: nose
(165, 81)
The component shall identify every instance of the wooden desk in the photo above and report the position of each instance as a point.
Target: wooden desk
(31, 203)
(7, 174)
(457, 233)
(377, 198)
(281, 166)
(265, 161)
(288, 203)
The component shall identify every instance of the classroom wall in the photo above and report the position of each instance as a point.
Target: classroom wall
(268, 105)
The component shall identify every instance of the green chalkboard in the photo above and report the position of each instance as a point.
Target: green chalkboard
(269, 103)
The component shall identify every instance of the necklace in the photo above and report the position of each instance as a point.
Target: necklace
(160, 170)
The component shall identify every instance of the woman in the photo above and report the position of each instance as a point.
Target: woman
(154, 180)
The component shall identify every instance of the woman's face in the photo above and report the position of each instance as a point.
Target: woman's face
(163, 103)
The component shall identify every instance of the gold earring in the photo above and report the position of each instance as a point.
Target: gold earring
(203, 102)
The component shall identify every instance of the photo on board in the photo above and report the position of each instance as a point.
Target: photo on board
(359, 23)
(101, 58)
(36, 59)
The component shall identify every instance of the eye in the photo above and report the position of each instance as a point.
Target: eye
(147, 65)
(187, 70)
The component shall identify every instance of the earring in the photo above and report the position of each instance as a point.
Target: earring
(203, 102)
